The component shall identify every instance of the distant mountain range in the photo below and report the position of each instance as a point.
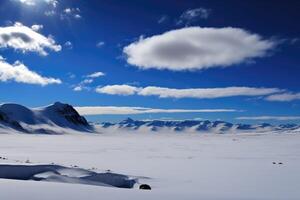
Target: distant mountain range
(204, 126)
(60, 118)
(57, 118)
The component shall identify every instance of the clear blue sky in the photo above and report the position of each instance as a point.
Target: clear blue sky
(92, 36)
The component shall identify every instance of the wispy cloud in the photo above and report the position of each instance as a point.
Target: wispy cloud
(83, 85)
(96, 75)
(68, 45)
(71, 75)
(199, 93)
(50, 13)
(279, 118)
(163, 19)
(26, 39)
(88, 79)
(192, 15)
(197, 48)
(100, 44)
(20, 73)
(284, 97)
(115, 110)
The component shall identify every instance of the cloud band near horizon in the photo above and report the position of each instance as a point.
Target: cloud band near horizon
(278, 118)
(199, 93)
(120, 110)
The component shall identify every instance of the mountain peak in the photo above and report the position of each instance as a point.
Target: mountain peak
(59, 105)
(67, 112)
(127, 120)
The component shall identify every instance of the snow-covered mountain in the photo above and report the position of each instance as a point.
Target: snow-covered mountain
(57, 118)
(196, 126)
(60, 118)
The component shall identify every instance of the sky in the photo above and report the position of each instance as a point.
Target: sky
(232, 60)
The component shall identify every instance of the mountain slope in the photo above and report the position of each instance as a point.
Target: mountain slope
(53, 119)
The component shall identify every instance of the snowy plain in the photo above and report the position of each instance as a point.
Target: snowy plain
(177, 166)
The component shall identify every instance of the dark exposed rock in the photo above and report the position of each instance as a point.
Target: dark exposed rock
(145, 187)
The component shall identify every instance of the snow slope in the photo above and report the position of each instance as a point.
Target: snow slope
(178, 166)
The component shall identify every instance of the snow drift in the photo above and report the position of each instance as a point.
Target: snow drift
(57, 173)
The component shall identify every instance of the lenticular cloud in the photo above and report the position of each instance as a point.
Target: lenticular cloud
(196, 48)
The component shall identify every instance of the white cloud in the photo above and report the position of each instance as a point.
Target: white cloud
(200, 93)
(114, 110)
(37, 27)
(68, 10)
(28, 2)
(117, 90)
(193, 15)
(279, 118)
(35, 2)
(95, 75)
(18, 72)
(25, 39)
(78, 88)
(77, 16)
(100, 44)
(71, 12)
(284, 97)
(197, 48)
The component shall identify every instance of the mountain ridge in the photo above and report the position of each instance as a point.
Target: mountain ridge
(197, 126)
